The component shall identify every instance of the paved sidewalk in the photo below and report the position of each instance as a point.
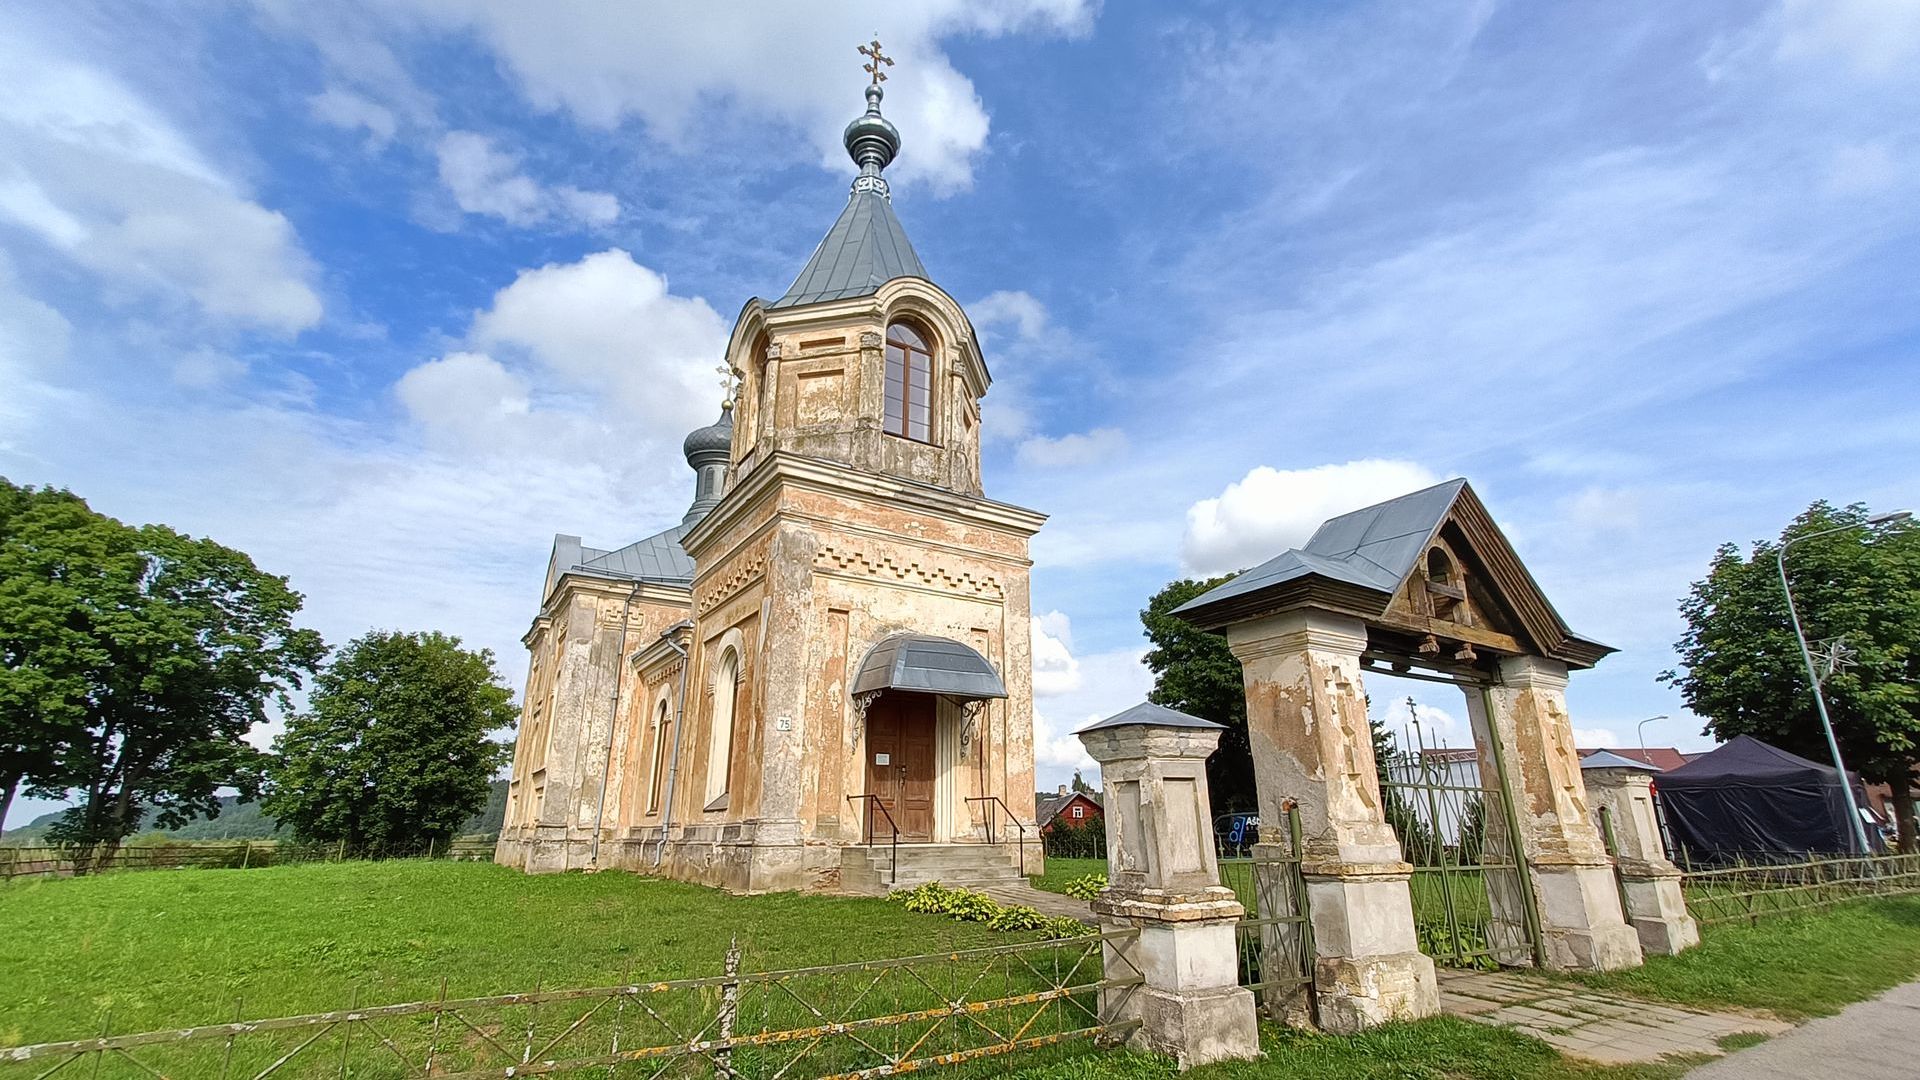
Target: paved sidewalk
(1589, 1024)
(1872, 1039)
(1046, 903)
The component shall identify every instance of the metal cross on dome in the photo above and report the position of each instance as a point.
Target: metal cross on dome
(875, 60)
(729, 380)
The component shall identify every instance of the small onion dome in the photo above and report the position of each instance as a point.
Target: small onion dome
(715, 438)
(872, 140)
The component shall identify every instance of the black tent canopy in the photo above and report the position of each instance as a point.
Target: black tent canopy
(1751, 800)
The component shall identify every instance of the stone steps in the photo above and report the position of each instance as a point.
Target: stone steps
(870, 871)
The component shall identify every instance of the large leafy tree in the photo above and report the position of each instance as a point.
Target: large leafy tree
(43, 645)
(1194, 672)
(137, 661)
(1741, 668)
(393, 752)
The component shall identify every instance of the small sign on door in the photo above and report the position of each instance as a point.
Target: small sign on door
(883, 759)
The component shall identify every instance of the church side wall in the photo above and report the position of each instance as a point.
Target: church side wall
(572, 756)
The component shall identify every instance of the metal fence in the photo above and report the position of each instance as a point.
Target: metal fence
(52, 861)
(1275, 937)
(846, 1021)
(1748, 892)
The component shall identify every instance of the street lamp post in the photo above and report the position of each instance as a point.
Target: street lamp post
(1642, 730)
(1813, 676)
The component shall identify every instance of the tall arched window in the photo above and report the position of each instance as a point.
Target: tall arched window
(726, 698)
(662, 724)
(909, 384)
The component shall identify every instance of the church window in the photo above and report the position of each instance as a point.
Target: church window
(726, 699)
(661, 724)
(909, 384)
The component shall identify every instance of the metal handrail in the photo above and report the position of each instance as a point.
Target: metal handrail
(1017, 823)
(893, 874)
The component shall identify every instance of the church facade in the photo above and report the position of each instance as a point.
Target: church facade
(830, 654)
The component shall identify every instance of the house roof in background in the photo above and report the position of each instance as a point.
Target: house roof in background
(1047, 806)
(1607, 759)
(1664, 758)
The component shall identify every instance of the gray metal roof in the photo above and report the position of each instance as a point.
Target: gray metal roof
(926, 664)
(1148, 714)
(1375, 547)
(1607, 759)
(865, 249)
(657, 558)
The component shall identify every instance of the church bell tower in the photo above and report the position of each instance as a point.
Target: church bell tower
(860, 652)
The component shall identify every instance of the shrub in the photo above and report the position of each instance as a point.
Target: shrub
(1085, 887)
(934, 898)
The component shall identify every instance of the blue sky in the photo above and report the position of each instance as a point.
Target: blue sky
(388, 293)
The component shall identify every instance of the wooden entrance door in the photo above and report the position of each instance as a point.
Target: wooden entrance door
(900, 762)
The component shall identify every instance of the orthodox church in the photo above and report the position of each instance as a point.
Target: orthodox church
(821, 676)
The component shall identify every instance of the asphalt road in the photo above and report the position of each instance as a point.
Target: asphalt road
(1874, 1039)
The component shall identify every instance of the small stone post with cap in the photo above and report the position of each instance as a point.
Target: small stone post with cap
(1163, 879)
(1650, 885)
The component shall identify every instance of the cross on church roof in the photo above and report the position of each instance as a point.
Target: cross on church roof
(875, 60)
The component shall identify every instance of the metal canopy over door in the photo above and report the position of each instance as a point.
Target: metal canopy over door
(900, 761)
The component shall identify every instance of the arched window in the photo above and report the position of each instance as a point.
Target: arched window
(662, 724)
(909, 384)
(1439, 567)
(726, 698)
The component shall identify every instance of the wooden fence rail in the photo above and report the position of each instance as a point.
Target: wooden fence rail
(1748, 892)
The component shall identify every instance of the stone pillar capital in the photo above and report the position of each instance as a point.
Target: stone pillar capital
(1532, 672)
(1297, 631)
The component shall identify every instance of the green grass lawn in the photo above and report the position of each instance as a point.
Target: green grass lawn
(1060, 871)
(1794, 966)
(177, 947)
(1438, 1049)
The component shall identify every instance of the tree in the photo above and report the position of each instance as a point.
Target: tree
(153, 655)
(1194, 672)
(41, 640)
(393, 752)
(1740, 666)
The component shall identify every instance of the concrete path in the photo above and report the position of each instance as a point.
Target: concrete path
(1872, 1039)
(1589, 1024)
(1046, 903)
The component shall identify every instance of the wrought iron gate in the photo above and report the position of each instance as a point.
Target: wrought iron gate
(1275, 937)
(1472, 900)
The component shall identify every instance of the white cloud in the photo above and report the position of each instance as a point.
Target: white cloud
(1107, 683)
(1270, 510)
(793, 63)
(1097, 447)
(1876, 37)
(607, 327)
(1015, 308)
(1604, 509)
(484, 179)
(33, 336)
(100, 177)
(1055, 671)
(1595, 738)
(466, 395)
(352, 112)
(1438, 725)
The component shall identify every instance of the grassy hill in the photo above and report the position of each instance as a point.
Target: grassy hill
(246, 821)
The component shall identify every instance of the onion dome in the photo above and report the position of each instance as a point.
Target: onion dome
(873, 142)
(715, 438)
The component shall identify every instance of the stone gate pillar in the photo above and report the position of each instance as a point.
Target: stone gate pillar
(1307, 722)
(1581, 924)
(1656, 906)
(1163, 879)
